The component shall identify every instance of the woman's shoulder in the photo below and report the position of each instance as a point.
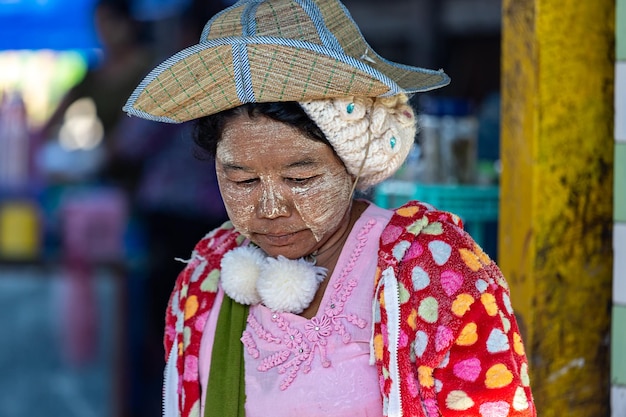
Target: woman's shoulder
(218, 241)
(420, 222)
(198, 281)
(424, 214)
(207, 255)
(433, 243)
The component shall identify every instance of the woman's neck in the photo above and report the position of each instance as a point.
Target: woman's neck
(328, 255)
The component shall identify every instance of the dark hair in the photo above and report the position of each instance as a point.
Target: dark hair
(208, 130)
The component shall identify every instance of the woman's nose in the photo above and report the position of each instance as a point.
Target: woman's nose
(273, 203)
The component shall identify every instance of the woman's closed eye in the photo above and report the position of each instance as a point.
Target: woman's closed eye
(247, 181)
(296, 181)
(300, 181)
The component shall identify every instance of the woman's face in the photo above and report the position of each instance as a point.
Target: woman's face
(286, 192)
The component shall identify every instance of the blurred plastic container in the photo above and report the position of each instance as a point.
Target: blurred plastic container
(446, 145)
(20, 230)
(476, 205)
(14, 142)
(93, 225)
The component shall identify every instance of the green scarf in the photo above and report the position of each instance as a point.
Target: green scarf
(226, 392)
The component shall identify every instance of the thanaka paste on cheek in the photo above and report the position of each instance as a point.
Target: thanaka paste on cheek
(324, 206)
(239, 209)
(238, 206)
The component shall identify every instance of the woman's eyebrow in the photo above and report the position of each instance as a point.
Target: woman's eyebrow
(230, 166)
(303, 163)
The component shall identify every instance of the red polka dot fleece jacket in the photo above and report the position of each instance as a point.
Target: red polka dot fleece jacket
(445, 340)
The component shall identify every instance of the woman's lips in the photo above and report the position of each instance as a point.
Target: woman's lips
(279, 239)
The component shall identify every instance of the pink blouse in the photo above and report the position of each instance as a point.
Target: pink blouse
(320, 366)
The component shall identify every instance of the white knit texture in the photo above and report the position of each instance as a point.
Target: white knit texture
(240, 269)
(287, 285)
(372, 136)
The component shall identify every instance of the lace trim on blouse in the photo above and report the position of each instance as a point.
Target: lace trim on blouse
(299, 349)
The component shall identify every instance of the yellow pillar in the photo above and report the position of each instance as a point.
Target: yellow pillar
(556, 195)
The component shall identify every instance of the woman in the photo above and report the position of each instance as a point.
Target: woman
(310, 302)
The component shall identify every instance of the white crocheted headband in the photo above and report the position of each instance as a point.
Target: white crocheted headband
(372, 136)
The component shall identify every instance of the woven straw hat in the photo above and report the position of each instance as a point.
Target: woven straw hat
(273, 50)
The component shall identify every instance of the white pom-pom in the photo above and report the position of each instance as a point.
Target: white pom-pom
(289, 285)
(240, 271)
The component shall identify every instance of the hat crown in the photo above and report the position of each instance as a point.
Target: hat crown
(273, 50)
(300, 21)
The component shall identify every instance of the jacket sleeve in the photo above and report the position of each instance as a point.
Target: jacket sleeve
(460, 352)
(189, 306)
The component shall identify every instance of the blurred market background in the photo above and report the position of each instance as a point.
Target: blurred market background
(97, 209)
